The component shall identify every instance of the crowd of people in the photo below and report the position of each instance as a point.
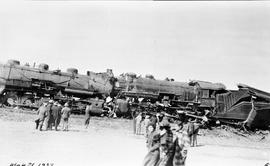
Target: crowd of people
(167, 141)
(50, 114)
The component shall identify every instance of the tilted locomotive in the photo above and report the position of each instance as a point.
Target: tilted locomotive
(27, 85)
(200, 93)
(149, 87)
(204, 99)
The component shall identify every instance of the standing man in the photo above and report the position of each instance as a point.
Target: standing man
(181, 143)
(138, 120)
(166, 144)
(152, 157)
(60, 115)
(56, 112)
(153, 120)
(197, 126)
(65, 115)
(122, 106)
(42, 112)
(49, 117)
(87, 115)
(191, 131)
(146, 124)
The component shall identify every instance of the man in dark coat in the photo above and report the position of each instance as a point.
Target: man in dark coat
(49, 118)
(56, 112)
(191, 131)
(166, 144)
(152, 157)
(122, 106)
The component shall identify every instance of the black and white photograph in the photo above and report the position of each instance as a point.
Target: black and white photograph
(133, 83)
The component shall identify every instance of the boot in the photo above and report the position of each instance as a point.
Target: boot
(40, 127)
(37, 123)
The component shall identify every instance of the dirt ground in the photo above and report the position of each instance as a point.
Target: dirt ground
(111, 142)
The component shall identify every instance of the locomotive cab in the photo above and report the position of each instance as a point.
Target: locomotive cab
(206, 93)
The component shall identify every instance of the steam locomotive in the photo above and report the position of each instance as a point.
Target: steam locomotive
(30, 86)
(149, 87)
(25, 85)
(200, 93)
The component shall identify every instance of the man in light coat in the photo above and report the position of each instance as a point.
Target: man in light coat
(65, 116)
(42, 113)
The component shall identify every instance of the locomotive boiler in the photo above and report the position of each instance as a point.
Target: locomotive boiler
(149, 88)
(26, 85)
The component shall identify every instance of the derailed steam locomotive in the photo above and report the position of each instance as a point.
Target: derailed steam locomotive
(24, 85)
(247, 106)
(30, 86)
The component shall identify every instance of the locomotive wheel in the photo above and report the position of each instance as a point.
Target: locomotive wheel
(10, 99)
(28, 102)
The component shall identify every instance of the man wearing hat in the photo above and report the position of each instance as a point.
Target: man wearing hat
(138, 121)
(181, 143)
(166, 144)
(42, 113)
(159, 118)
(56, 112)
(49, 118)
(65, 115)
(87, 115)
(152, 157)
(145, 124)
(191, 131)
(153, 120)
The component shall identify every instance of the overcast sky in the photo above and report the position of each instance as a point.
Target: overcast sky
(226, 42)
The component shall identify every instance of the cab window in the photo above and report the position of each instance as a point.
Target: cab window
(205, 93)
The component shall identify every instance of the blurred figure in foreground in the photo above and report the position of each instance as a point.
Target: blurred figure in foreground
(152, 157)
(166, 144)
(181, 143)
